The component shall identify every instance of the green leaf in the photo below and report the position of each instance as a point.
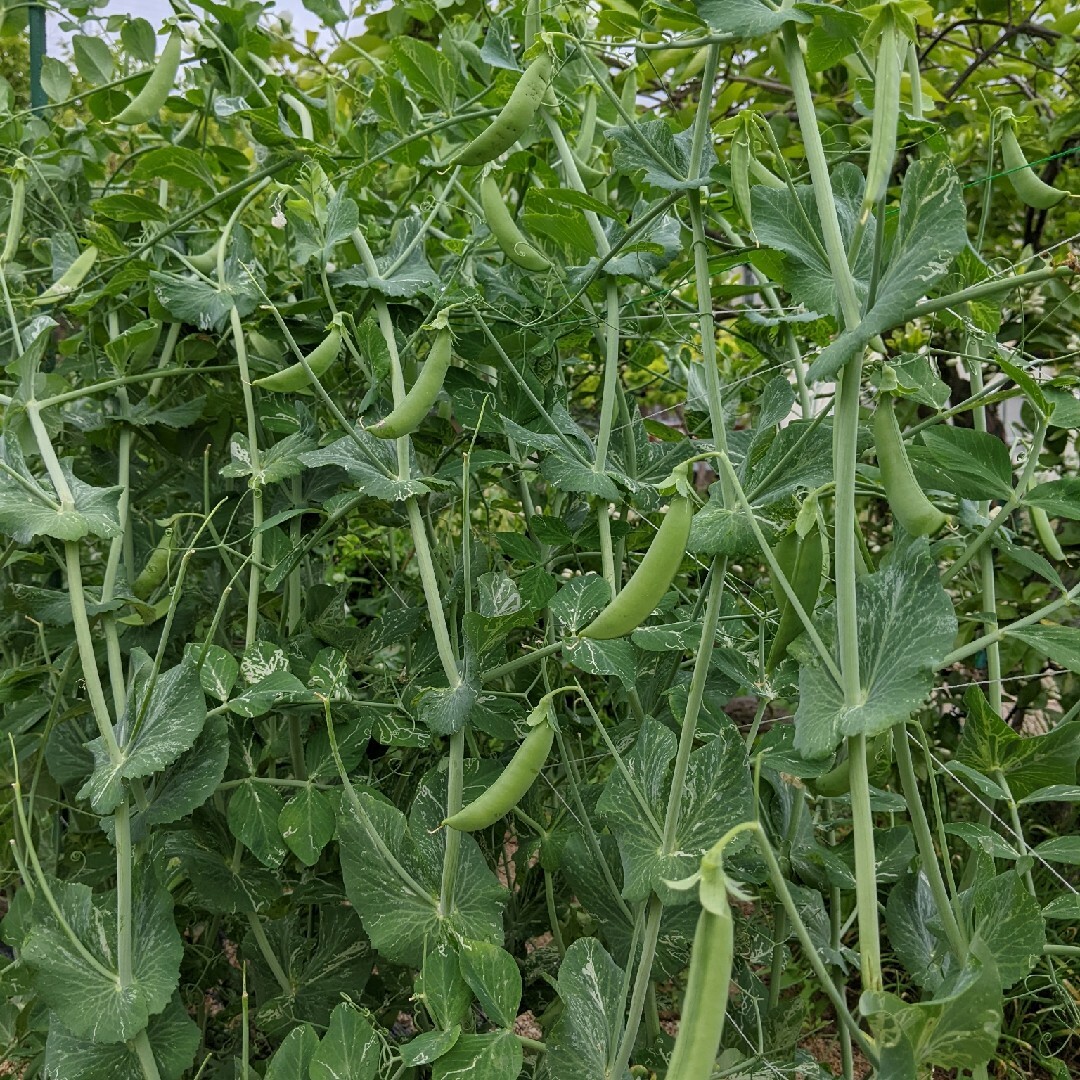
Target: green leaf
(446, 710)
(55, 79)
(336, 224)
(320, 969)
(349, 1049)
(1060, 849)
(370, 468)
(790, 223)
(396, 917)
(971, 464)
(717, 794)
(174, 1039)
(331, 13)
(1008, 922)
(188, 782)
(93, 59)
(306, 823)
(957, 1028)
(834, 37)
(1059, 498)
(86, 995)
(412, 277)
(128, 207)
(429, 1046)
(30, 507)
(579, 600)
(494, 977)
(915, 931)
(748, 18)
(586, 1034)
(615, 657)
(445, 993)
(429, 71)
(219, 669)
(664, 155)
(1060, 643)
(906, 626)
(161, 720)
(1028, 763)
(1066, 906)
(284, 459)
(569, 474)
(498, 47)
(279, 687)
(293, 1057)
(140, 40)
(254, 810)
(495, 1056)
(176, 164)
(931, 232)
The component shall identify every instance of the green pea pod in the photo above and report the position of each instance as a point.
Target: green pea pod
(406, 418)
(1030, 188)
(15, 217)
(1045, 532)
(834, 783)
(71, 278)
(886, 116)
(503, 227)
(156, 568)
(800, 559)
(514, 118)
(739, 162)
(708, 985)
(906, 500)
(651, 579)
(509, 789)
(206, 261)
(765, 176)
(590, 177)
(294, 379)
(148, 101)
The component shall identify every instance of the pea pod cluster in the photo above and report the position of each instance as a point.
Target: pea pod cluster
(907, 501)
(651, 580)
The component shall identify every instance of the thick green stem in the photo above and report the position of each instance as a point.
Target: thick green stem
(641, 987)
(452, 852)
(923, 837)
(145, 1055)
(268, 954)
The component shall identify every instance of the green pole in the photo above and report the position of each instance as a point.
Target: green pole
(36, 18)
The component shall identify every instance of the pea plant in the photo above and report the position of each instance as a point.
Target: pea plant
(540, 539)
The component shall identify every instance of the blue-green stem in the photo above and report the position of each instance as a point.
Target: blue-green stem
(845, 456)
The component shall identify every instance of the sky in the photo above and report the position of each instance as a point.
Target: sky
(156, 11)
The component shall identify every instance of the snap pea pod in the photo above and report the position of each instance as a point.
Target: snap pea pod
(512, 784)
(514, 118)
(906, 499)
(148, 101)
(295, 379)
(15, 216)
(70, 279)
(651, 579)
(708, 984)
(1045, 532)
(156, 568)
(503, 227)
(406, 418)
(1030, 188)
(800, 559)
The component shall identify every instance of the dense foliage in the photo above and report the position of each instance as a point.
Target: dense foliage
(349, 377)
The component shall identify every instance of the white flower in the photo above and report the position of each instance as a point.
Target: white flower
(278, 220)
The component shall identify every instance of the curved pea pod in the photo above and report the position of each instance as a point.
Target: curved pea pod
(71, 278)
(708, 985)
(590, 176)
(651, 579)
(1045, 532)
(503, 227)
(800, 559)
(513, 119)
(765, 177)
(908, 503)
(206, 261)
(513, 782)
(156, 568)
(834, 783)
(416, 404)
(886, 117)
(15, 217)
(295, 379)
(1030, 188)
(148, 101)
